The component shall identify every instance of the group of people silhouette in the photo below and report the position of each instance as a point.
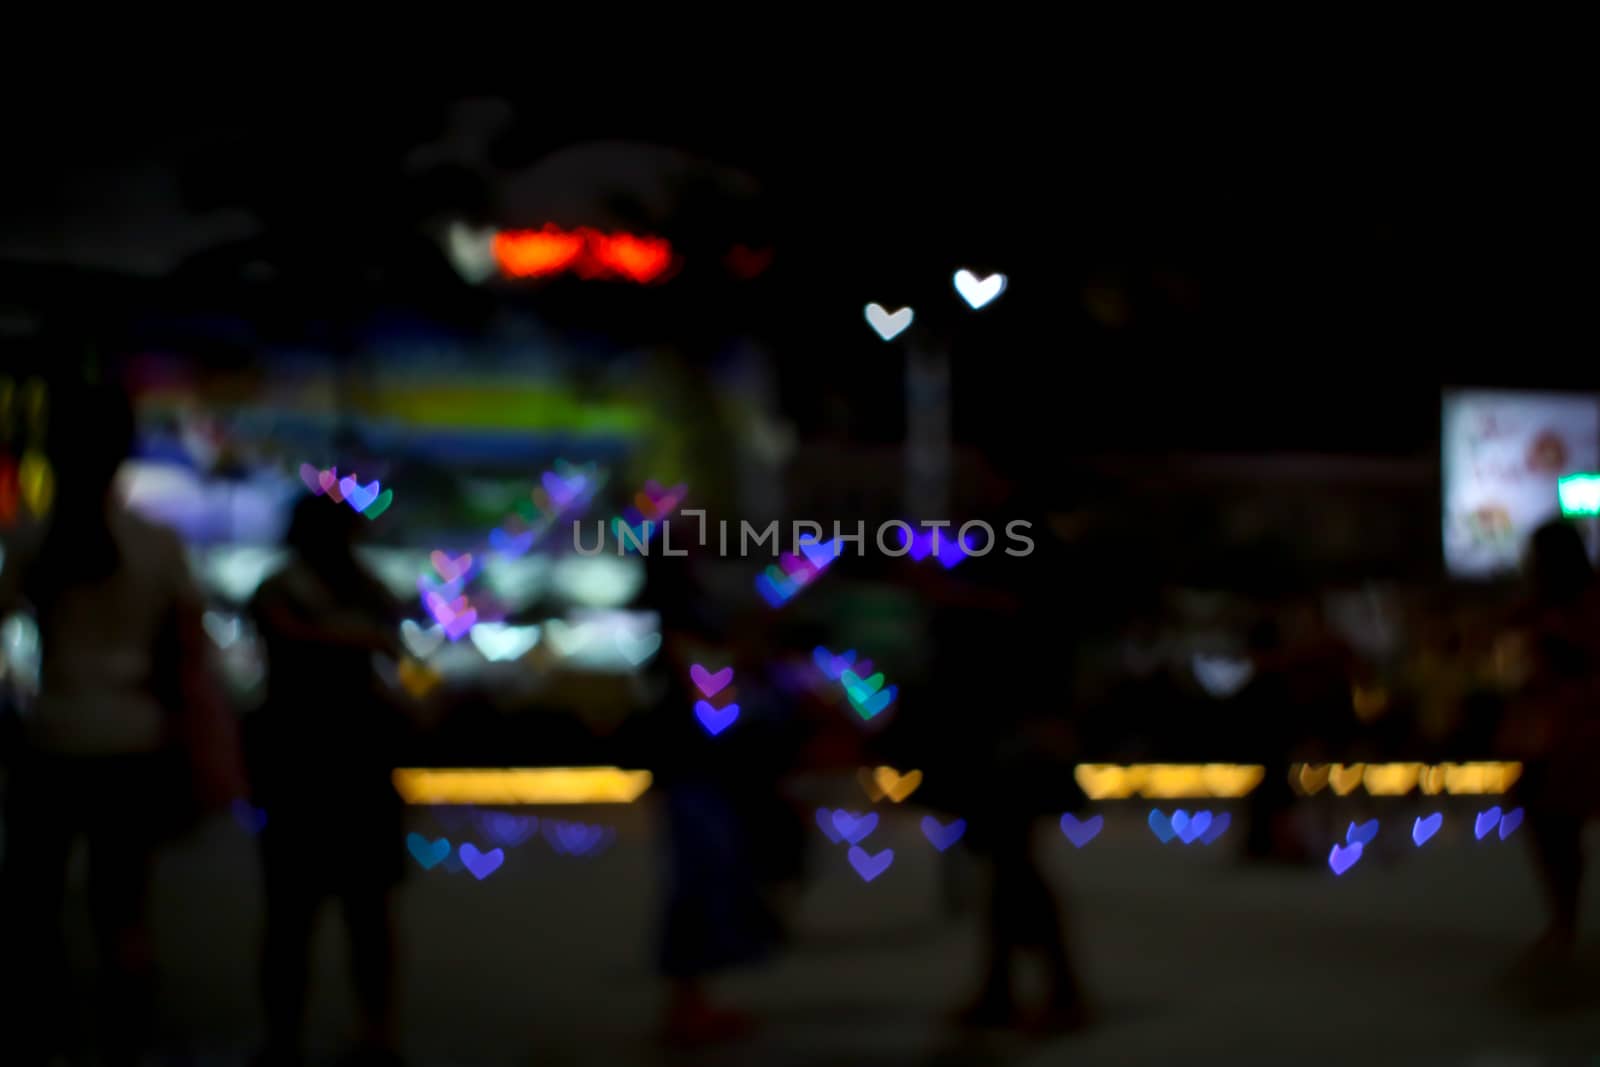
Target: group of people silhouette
(128, 744)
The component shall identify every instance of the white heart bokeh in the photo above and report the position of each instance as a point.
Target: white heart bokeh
(501, 643)
(1222, 676)
(421, 641)
(979, 293)
(888, 324)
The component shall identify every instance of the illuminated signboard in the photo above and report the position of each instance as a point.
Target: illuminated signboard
(1505, 458)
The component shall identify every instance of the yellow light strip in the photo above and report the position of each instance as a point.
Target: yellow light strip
(521, 785)
(1099, 781)
(1484, 778)
(1167, 781)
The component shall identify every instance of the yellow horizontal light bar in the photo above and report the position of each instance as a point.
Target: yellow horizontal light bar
(521, 785)
(1099, 781)
(1167, 781)
(1484, 778)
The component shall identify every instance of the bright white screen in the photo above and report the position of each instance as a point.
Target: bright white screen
(1503, 455)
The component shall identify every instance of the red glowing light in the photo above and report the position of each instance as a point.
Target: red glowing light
(535, 253)
(640, 259)
(585, 252)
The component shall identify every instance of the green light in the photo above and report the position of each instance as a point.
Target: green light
(1580, 494)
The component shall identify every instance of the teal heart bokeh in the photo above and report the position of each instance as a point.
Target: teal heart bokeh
(859, 688)
(428, 853)
(379, 505)
(869, 706)
(637, 535)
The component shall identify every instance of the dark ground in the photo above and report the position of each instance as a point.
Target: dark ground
(1192, 957)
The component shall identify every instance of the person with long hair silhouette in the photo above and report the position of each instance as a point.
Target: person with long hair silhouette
(101, 753)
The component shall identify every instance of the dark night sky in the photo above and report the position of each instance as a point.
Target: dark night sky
(1365, 268)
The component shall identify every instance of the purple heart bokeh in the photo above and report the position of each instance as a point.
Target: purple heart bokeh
(715, 720)
(1485, 822)
(510, 544)
(357, 497)
(1219, 826)
(576, 838)
(869, 866)
(821, 553)
(1362, 834)
(481, 864)
(942, 837)
(454, 625)
(1081, 833)
(550, 830)
(1161, 826)
(1424, 828)
(1190, 827)
(458, 626)
(710, 684)
(446, 591)
(507, 829)
(770, 592)
(854, 828)
(312, 477)
(796, 568)
(951, 550)
(832, 665)
(1342, 859)
(920, 546)
(563, 491)
(825, 822)
(1509, 822)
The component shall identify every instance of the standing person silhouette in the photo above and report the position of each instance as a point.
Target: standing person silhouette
(322, 750)
(997, 705)
(714, 916)
(1553, 726)
(100, 754)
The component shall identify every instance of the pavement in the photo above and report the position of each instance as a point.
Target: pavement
(1191, 955)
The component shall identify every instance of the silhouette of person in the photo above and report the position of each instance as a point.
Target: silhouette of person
(714, 915)
(1269, 736)
(1003, 733)
(100, 753)
(322, 749)
(1552, 726)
